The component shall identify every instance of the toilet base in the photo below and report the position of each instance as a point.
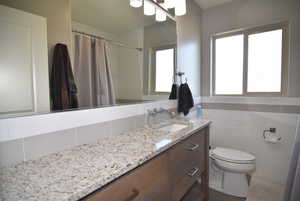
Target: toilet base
(235, 184)
(229, 183)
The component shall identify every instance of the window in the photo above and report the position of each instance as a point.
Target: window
(229, 64)
(164, 69)
(265, 61)
(250, 62)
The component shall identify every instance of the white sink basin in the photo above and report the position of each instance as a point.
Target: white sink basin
(173, 128)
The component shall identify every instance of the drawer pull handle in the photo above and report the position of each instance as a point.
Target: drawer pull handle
(193, 147)
(135, 193)
(193, 172)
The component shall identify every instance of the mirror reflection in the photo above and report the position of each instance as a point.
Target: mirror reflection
(113, 55)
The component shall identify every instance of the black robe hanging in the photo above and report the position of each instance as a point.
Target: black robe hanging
(62, 84)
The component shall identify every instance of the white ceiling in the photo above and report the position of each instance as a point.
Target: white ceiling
(205, 4)
(116, 16)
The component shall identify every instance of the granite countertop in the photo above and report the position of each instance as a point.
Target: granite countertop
(72, 174)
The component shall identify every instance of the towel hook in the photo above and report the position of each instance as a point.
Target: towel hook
(180, 74)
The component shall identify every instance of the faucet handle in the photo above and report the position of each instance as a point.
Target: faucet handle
(161, 109)
(150, 112)
(173, 114)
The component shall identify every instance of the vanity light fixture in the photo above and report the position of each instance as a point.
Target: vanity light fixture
(160, 7)
(136, 3)
(149, 8)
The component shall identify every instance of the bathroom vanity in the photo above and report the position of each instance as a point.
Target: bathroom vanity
(167, 177)
(140, 165)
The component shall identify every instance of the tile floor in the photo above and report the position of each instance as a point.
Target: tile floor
(259, 190)
(262, 190)
(217, 196)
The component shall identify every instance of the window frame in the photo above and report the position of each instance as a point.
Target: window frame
(246, 32)
(153, 71)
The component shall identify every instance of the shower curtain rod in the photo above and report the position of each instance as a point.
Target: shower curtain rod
(108, 40)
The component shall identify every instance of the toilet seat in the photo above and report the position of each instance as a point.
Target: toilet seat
(232, 155)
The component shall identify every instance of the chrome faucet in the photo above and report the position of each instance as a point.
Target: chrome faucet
(152, 114)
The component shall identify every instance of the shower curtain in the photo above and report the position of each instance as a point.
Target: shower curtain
(92, 70)
(292, 191)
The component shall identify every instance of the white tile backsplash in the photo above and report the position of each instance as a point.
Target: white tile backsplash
(41, 145)
(122, 125)
(11, 152)
(22, 127)
(140, 121)
(91, 133)
(15, 151)
(252, 100)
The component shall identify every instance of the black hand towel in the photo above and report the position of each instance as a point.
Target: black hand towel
(63, 88)
(185, 99)
(173, 94)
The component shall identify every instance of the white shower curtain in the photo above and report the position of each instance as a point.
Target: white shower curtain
(292, 192)
(92, 70)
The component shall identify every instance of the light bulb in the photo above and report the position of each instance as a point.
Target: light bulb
(170, 3)
(136, 3)
(180, 7)
(149, 8)
(160, 15)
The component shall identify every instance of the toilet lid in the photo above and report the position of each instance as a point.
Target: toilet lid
(232, 155)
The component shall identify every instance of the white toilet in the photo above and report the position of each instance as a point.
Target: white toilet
(230, 170)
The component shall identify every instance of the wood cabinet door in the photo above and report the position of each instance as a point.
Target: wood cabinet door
(187, 163)
(187, 155)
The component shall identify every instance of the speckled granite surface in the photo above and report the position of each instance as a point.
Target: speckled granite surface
(75, 173)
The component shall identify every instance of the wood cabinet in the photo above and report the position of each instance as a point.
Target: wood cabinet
(187, 163)
(167, 177)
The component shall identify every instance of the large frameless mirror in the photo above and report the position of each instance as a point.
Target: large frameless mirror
(60, 56)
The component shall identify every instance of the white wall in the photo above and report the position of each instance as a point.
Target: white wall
(243, 130)
(156, 35)
(130, 79)
(250, 13)
(189, 46)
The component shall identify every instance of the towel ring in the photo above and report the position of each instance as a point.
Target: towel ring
(180, 74)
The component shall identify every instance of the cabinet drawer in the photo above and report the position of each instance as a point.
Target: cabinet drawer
(187, 155)
(195, 193)
(181, 187)
(149, 181)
